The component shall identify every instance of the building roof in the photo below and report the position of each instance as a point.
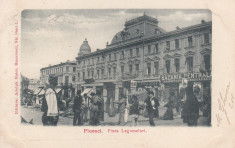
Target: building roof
(58, 65)
(135, 28)
(137, 39)
(84, 48)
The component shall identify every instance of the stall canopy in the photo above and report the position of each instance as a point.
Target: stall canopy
(87, 91)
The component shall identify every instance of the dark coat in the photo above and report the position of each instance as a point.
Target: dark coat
(149, 105)
(77, 105)
(190, 108)
(134, 109)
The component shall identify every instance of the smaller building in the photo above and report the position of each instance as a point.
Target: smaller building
(65, 74)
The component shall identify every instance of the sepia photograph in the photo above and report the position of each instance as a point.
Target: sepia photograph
(116, 67)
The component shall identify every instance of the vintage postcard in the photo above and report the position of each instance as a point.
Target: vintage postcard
(89, 74)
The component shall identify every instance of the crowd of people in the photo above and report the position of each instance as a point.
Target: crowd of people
(91, 109)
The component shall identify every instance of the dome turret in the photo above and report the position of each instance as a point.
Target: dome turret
(85, 48)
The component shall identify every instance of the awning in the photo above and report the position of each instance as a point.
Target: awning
(58, 90)
(87, 91)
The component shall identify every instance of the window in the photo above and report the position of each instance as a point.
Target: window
(67, 69)
(189, 61)
(149, 68)
(103, 58)
(92, 74)
(102, 71)
(168, 66)
(84, 62)
(137, 68)
(115, 56)
(131, 52)
(122, 55)
(74, 69)
(109, 57)
(92, 61)
(98, 74)
(109, 71)
(206, 38)
(122, 69)
(207, 61)
(137, 51)
(79, 62)
(114, 71)
(177, 65)
(156, 48)
(98, 59)
(73, 78)
(167, 45)
(88, 74)
(78, 76)
(83, 75)
(156, 67)
(89, 62)
(177, 44)
(190, 41)
(149, 49)
(130, 69)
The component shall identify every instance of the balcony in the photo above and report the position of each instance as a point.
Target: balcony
(126, 76)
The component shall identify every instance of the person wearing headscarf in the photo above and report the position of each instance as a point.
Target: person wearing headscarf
(168, 115)
(190, 112)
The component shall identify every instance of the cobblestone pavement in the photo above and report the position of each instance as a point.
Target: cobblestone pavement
(29, 113)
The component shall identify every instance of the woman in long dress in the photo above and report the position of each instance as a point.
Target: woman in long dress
(169, 112)
(190, 112)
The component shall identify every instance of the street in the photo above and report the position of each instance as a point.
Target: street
(29, 113)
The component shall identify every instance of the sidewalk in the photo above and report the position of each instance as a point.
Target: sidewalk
(31, 113)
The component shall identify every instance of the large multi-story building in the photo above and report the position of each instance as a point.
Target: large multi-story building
(145, 55)
(66, 75)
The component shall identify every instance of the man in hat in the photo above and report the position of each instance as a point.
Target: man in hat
(77, 109)
(152, 106)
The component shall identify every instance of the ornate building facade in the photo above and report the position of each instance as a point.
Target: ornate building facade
(143, 55)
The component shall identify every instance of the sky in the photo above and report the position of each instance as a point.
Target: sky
(54, 36)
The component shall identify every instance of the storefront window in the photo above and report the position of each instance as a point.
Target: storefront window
(168, 66)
